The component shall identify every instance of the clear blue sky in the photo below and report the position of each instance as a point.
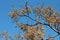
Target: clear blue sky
(6, 22)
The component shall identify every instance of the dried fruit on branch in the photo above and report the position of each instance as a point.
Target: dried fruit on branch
(28, 9)
(33, 33)
(14, 14)
(23, 27)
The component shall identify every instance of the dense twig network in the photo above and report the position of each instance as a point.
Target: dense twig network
(36, 31)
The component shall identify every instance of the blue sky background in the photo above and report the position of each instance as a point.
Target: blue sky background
(6, 22)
